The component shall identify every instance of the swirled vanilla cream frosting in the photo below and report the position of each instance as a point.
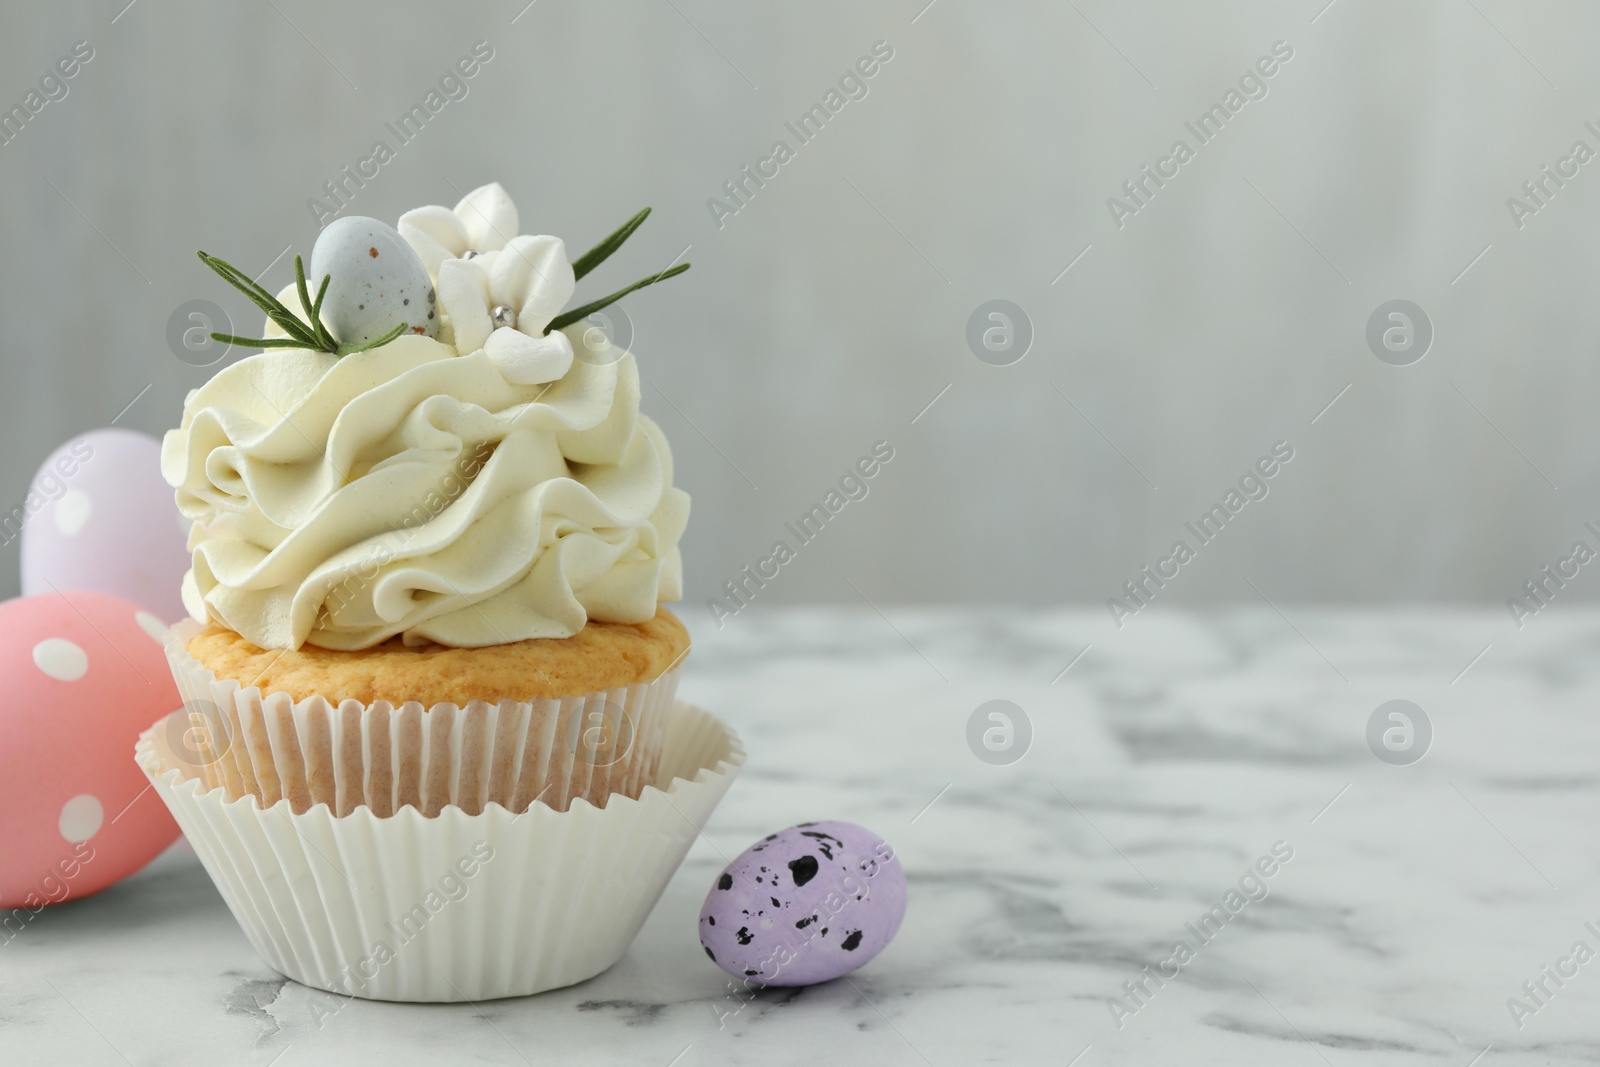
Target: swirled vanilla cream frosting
(414, 490)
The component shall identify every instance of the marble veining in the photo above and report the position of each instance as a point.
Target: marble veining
(1420, 904)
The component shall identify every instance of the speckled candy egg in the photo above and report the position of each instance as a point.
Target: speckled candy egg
(377, 281)
(84, 674)
(805, 905)
(98, 516)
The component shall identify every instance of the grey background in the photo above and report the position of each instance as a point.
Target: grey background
(829, 311)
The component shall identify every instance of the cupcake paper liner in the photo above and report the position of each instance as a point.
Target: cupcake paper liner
(454, 907)
(387, 757)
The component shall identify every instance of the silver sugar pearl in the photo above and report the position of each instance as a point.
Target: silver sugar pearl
(501, 315)
(471, 253)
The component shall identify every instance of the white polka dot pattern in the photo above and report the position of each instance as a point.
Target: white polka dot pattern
(61, 659)
(72, 512)
(81, 818)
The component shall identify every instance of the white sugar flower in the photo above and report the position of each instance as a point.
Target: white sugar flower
(484, 221)
(503, 300)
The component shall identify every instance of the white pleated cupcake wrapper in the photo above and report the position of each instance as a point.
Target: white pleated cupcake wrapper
(459, 906)
(350, 754)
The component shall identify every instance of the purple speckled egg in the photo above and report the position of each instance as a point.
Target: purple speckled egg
(804, 905)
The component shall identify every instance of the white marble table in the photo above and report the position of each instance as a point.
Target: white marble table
(1173, 755)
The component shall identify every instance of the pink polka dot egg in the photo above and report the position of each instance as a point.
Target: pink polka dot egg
(84, 674)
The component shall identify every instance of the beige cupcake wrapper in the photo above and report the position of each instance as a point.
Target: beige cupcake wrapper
(453, 908)
(350, 754)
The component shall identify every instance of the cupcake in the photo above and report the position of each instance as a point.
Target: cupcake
(429, 557)
(431, 534)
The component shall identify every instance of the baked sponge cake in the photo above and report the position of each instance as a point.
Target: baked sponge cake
(601, 656)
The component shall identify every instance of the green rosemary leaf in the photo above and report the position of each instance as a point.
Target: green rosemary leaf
(567, 318)
(318, 331)
(265, 305)
(349, 350)
(261, 342)
(296, 329)
(305, 296)
(597, 255)
(262, 299)
(238, 279)
(316, 315)
(241, 281)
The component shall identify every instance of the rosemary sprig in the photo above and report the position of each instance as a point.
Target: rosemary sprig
(262, 299)
(567, 318)
(597, 255)
(310, 334)
(323, 338)
(379, 342)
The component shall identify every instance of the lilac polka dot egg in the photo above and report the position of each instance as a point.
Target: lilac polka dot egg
(804, 905)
